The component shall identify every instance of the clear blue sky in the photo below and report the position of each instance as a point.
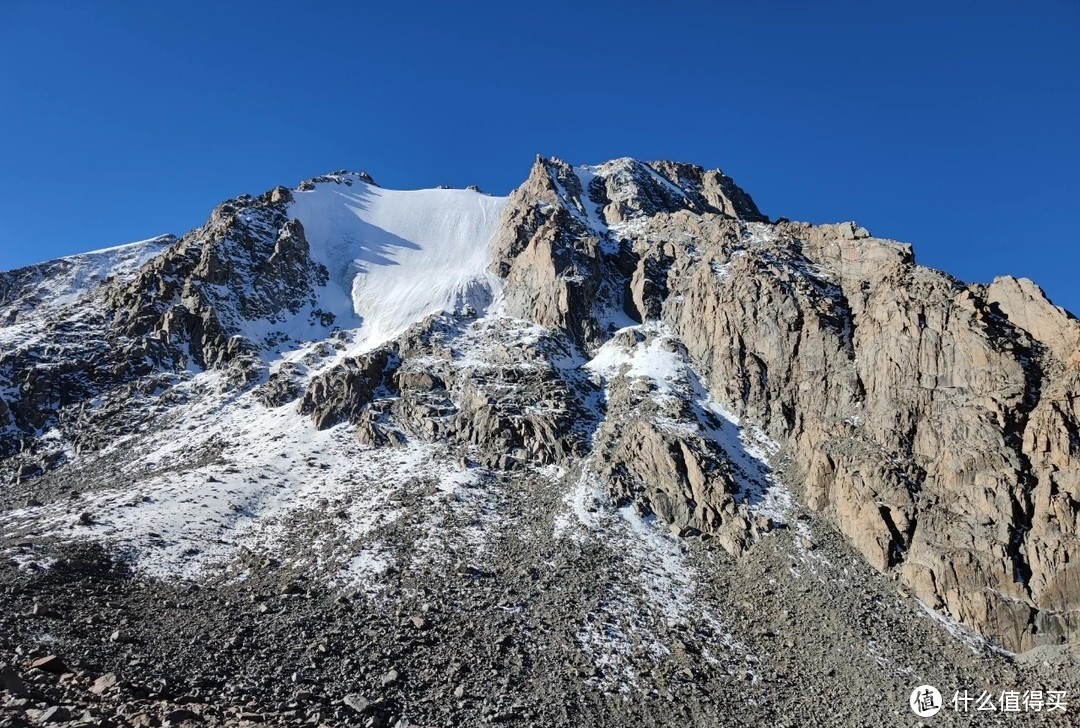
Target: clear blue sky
(951, 125)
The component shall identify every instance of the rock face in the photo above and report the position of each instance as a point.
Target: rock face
(654, 334)
(934, 422)
(248, 263)
(917, 413)
(553, 247)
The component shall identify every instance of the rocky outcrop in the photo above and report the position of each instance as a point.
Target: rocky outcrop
(504, 404)
(912, 404)
(283, 385)
(341, 393)
(250, 262)
(549, 256)
(932, 421)
(659, 453)
(563, 267)
(1026, 307)
(506, 409)
(627, 188)
(122, 326)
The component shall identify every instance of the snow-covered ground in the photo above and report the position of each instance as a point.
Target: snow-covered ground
(87, 269)
(225, 474)
(229, 475)
(396, 256)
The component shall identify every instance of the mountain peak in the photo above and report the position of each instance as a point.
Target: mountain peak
(618, 404)
(625, 188)
(341, 177)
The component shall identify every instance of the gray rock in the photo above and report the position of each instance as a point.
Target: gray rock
(357, 702)
(54, 714)
(11, 682)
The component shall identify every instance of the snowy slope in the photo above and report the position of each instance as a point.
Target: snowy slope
(225, 473)
(397, 256)
(63, 280)
(28, 295)
(657, 358)
(270, 470)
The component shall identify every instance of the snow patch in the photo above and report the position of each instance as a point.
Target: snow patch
(396, 256)
(655, 361)
(39, 289)
(970, 639)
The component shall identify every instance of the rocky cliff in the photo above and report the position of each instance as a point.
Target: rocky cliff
(934, 422)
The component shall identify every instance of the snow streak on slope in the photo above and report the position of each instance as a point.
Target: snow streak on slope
(87, 269)
(400, 255)
(621, 636)
(660, 359)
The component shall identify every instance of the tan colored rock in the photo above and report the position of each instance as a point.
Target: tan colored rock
(935, 423)
(937, 477)
(1027, 307)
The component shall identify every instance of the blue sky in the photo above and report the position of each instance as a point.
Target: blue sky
(949, 125)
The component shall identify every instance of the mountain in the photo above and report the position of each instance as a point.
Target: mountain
(615, 449)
